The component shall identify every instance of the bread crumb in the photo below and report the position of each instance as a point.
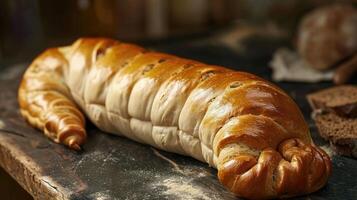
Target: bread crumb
(327, 148)
(176, 166)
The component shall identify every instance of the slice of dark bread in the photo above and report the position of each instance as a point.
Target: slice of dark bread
(341, 99)
(334, 111)
(340, 131)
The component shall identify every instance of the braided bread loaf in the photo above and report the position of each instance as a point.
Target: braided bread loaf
(247, 128)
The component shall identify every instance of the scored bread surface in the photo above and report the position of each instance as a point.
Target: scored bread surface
(247, 128)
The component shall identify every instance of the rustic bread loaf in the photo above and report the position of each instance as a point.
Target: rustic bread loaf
(247, 128)
(327, 35)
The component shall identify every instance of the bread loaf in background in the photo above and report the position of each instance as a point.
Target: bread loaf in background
(247, 128)
(327, 35)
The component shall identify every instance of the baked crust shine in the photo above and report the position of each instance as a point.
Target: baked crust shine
(247, 128)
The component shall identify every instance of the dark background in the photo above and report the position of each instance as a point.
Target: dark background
(29, 26)
(188, 28)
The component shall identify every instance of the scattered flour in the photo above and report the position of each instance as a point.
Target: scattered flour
(104, 195)
(97, 156)
(179, 188)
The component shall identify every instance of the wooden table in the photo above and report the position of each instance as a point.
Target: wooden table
(111, 167)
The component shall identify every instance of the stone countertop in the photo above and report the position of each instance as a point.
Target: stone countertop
(112, 167)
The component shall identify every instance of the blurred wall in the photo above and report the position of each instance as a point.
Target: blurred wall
(31, 24)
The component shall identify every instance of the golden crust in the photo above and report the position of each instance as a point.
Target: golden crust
(249, 129)
(46, 103)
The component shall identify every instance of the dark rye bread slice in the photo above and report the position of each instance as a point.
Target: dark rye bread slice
(335, 117)
(341, 99)
(340, 131)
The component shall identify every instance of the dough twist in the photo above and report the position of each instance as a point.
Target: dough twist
(247, 128)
